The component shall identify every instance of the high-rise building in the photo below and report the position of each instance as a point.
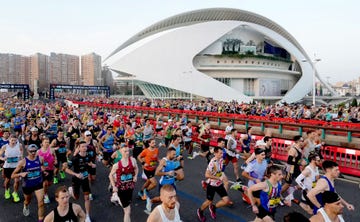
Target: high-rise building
(14, 68)
(91, 70)
(64, 69)
(39, 71)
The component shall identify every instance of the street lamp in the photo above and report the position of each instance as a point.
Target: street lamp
(316, 60)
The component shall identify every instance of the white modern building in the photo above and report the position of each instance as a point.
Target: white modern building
(224, 54)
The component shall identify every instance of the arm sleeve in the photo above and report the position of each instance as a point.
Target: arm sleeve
(299, 180)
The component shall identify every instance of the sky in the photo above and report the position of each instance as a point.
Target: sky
(326, 29)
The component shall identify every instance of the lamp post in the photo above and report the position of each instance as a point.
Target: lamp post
(316, 60)
(132, 88)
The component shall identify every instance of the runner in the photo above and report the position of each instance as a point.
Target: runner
(269, 195)
(232, 153)
(179, 160)
(62, 154)
(81, 164)
(106, 143)
(245, 141)
(123, 177)
(33, 138)
(215, 177)
(159, 125)
(169, 208)
(187, 133)
(11, 154)
(168, 132)
(204, 138)
(65, 211)
(138, 142)
(49, 160)
(149, 160)
(30, 169)
(255, 173)
(166, 170)
(309, 175)
(73, 133)
(332, 210)
(326, 183)
(293, 163)
(148, 132)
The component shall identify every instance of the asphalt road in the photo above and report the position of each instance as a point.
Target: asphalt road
(190, 194)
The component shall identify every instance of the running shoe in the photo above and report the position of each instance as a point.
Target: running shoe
(7, 194)
(200, 215)
(46, 199)
(148, 204)
(141, 194)
(204, 184)
(237, 186)
(146, 195)
(16, 197)
(212, 210)
(87, 219)
(55, 180)
(243, 166)
(62, 175)
(26, 210)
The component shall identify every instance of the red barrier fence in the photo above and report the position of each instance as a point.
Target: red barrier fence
(348, 159)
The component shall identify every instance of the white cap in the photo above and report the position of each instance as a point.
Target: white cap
(260, 143)
(87, 133)
(34, 129)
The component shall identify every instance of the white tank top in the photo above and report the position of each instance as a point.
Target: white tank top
(163, 216)
(233, 147)
(326, 218)
(12, 155)
(308, 181)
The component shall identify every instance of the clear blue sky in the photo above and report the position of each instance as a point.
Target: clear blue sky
(329, 28)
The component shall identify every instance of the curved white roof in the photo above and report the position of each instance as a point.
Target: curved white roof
(195, 30)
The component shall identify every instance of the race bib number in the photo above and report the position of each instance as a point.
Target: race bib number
(273, 202)
(126, 177)
(33, 174)
(85, 174)
(62, 150)
(12, 159)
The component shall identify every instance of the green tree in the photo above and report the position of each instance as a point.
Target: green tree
(354, 103)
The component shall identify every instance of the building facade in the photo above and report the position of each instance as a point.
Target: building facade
(243, 55)
(64, 69)
(91, 70)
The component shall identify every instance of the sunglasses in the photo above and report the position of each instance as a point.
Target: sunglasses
(32, 151)
(88, 135)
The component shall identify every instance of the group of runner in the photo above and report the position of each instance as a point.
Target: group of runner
(41, 143)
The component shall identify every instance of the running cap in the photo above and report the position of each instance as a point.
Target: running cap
(32, 147)
(34, 129)
(330, 197)
(88, 133)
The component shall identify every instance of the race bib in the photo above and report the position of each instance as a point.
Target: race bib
(273, 202)
(12, 159)
(33, 174)
(85, 174)
(62, 150)
(126, 177)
